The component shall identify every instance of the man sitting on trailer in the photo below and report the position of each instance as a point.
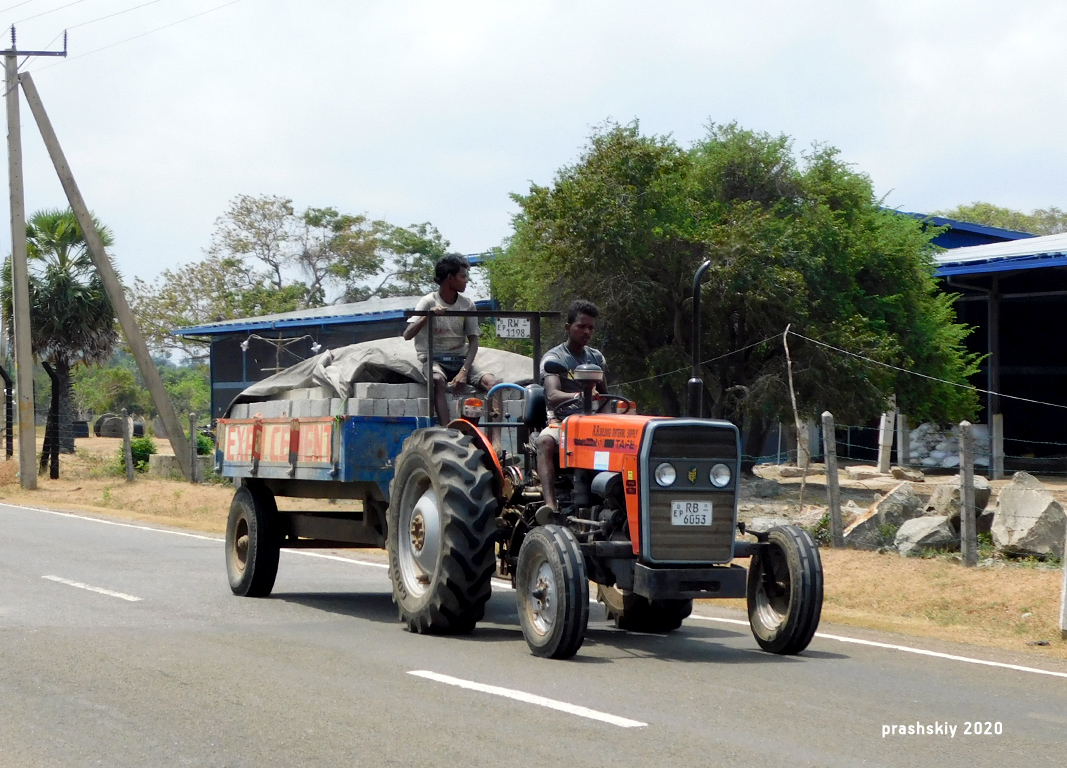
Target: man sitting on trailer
(455, 339)
(563, 395)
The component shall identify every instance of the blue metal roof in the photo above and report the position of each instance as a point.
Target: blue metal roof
(994, 233)
(373, 311)
(1009, 256)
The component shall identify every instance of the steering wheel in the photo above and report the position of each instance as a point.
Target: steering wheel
(604, 400)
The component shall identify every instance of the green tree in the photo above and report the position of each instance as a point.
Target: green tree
(1041, 221)
(109, 390)
(791, 241)
(266, 258)
(71, 318)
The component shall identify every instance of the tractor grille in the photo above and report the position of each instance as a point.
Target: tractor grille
(690, 445)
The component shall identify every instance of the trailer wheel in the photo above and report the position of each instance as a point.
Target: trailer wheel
(785, 591)
(440, 532)
(553, 592)
(252, 542)
(639, 614)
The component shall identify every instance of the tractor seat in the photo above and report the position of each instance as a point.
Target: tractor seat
(534, 411)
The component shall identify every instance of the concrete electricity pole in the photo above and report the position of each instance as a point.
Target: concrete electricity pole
(20, 294)
(111, 282)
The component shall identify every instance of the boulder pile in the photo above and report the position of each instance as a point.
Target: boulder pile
(1027, 520)
(932, 446)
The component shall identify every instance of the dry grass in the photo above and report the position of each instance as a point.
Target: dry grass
(89, 481)
(935, 597)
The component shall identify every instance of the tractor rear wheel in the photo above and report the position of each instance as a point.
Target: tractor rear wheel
(553, 592)
(785, 591)
(252, 542)
(639, 614)
(440, 532)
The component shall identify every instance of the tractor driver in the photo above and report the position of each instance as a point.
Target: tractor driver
(455, 339)
(563, 395)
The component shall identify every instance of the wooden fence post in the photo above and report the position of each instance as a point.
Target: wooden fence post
(885, 441)
(968, 528)
(193, 463)
(127, 451)
(829, 441)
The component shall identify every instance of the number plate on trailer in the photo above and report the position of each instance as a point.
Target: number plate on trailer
(513, 327)
(690, 513)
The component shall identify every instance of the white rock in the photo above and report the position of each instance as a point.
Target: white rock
(933, 532)
(893, 509)
(1028, 520)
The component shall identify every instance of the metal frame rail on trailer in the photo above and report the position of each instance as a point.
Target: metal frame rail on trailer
(329, 457)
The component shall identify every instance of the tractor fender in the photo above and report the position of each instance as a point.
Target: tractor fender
(492, 461)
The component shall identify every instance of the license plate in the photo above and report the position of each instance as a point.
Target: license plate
(690, 513)
(513, 327)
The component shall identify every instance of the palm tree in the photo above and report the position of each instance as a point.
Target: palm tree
(71, 317)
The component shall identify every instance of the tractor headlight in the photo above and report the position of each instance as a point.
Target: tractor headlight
(719, 475)
(665, 474)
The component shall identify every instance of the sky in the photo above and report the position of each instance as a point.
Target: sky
(413, 111)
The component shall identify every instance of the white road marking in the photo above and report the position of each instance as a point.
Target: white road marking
(740, 622)
(112, 522)
(530, 698)
(100, 590)
(904, 648)
(188, 535)
(339, 559)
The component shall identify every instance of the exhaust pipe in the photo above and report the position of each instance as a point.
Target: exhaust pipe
(695, 387)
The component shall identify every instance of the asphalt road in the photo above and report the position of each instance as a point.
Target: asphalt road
(166, 667)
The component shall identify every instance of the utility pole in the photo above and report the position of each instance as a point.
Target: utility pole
(111, 282)
(20, 294)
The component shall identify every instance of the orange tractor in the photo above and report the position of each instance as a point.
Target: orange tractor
(647, 510)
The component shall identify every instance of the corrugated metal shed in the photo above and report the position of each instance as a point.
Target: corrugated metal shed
(355, 312)
(1011, 256)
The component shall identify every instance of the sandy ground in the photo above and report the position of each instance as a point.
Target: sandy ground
(1004, 604)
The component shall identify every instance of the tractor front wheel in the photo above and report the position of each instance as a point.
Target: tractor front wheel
(785, 591)
(553, 592)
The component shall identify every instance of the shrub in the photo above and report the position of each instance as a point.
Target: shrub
(205, 446)
(820, 531)
(141, 448)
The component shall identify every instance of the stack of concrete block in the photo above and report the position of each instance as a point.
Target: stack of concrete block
(368, 399)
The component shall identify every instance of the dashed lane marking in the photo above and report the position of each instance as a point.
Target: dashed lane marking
(531, 698)
(90, 588)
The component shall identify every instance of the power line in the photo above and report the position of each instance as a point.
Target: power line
(149, 32)
(702, 362)
(116, 13)
(923, 375)
(53, 10)
(16, 5)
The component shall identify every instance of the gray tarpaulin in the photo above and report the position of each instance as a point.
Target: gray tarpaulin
(384, 360)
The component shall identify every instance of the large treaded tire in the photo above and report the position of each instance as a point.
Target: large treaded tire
(252, 542)
(552, 589)
(441, 583)
(785, 615)
(635, 613)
